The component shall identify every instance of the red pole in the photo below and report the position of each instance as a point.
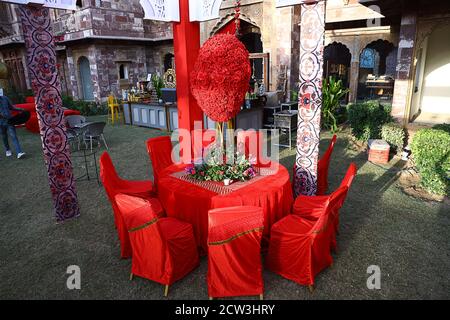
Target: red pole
(186, 38)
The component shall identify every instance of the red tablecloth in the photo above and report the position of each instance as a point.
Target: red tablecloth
(191, 203)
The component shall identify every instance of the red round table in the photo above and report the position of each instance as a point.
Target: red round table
(190, 202)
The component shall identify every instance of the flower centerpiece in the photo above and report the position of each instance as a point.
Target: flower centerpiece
(219, 82)
(214, 168)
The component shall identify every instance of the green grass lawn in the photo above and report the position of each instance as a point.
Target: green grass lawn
(380, 225)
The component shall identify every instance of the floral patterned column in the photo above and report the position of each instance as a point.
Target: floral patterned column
(41, 62)
(312, 41)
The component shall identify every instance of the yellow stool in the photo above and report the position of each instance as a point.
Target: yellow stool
(114, 110)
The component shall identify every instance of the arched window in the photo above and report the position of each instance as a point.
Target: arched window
(79, 3)
(367, 59)
(169, 62)
(123, 72)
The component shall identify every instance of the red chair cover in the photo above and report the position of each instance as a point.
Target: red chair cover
(322, 169)
(164, 249)
(346, 183)
(310, 208)
(160, 152)
(114, 185)
(299, 249)
(234, 252)
(30, 100)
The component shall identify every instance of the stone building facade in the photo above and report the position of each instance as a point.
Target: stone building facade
(276, 30)
(102, 47)
(408, 41)
(106, 45)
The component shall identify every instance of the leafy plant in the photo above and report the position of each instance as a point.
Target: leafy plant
(332, 93)
(86, 108)
(17, 96)
(366, 119)
(395, 135)
(443, 126)
(214, 169)
(158, 84)
(431, 152)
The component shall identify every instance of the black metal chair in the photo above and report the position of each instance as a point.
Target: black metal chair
(75, 128)
(94, 132)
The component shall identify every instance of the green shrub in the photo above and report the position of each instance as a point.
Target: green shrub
(332, 93)
(16, 96)
(366, 119)
(431, 152)
(395, 135)
(444, 126)
(86, 108)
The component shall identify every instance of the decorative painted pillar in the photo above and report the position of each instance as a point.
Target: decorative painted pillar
(312, 42)
(404, 72)
(186, 41)
(41, 63)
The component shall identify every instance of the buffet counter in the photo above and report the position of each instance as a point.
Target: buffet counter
(163, 116)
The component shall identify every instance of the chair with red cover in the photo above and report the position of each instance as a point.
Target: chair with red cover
(310, 208)
(322, 168)
(164, 249)
(113, 185)
(234, 252)
(160, 152)
(30, 100)
(299, 248)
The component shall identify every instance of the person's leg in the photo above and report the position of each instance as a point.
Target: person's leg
(13, 135)
(5, 137)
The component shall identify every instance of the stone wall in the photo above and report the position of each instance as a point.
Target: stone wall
(280, 33)
(105, 60)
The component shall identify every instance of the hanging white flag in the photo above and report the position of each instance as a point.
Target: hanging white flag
(285, 3)
(204, 10)
(56, 4)
(61, 4)
(23, 1)
(161, 10)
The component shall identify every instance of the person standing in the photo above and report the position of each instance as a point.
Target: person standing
(5, 114)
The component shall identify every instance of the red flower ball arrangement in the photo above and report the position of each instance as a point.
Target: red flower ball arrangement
(221, 76)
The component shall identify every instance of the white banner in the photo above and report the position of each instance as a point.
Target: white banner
(285, 3)
(57, 4)
(61, 4)
(204, 10)
(161, 10)
(23, 1)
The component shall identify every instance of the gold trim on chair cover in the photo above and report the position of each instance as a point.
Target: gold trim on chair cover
(145, 225)
(218, 243)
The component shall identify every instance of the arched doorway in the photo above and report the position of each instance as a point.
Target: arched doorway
(431, 91)
(87, 87)
(377, 71)
(337, 59)
(169, 61)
